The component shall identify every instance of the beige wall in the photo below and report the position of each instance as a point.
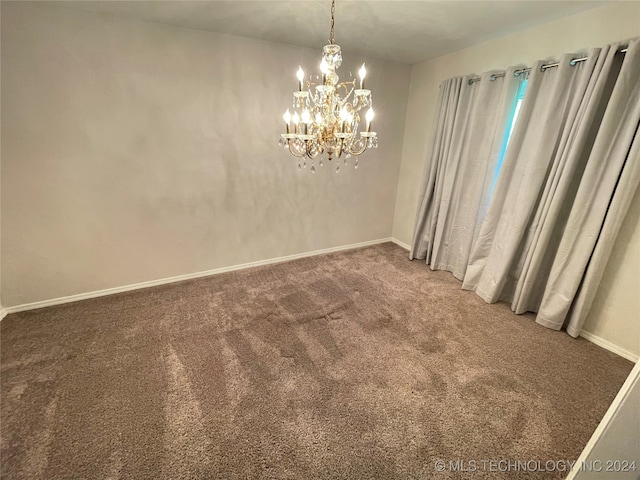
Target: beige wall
(616, 313)
(134, 151)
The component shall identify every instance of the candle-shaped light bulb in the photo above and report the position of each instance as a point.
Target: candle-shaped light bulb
(344, 114)
(363, 73)
(318, 118)
(287, 118)
(300, 75)
(296, 120)
(324, 68)
(369, 118)
(306, 119)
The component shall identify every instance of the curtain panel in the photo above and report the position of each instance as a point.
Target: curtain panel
(536, 227)
(608, 183)
(471, 124)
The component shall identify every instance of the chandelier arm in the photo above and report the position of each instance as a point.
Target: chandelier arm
(346, 90)
(359, 151)
(294, 153)
(313, 156)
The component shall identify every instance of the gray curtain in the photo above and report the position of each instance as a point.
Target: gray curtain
(607, 186)
(471, 123)
(567, 178)
(520, 232)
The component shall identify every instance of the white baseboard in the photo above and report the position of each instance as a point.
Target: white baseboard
(163, 281)
(3, 312)
(189, 276)
(401, 244)
(601, 342)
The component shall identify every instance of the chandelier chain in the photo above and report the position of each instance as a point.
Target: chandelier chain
(333, 20)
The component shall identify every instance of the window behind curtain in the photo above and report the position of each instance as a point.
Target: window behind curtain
(514, 117)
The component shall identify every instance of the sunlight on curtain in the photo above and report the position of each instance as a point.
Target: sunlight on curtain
(467, 146)
(512, 123)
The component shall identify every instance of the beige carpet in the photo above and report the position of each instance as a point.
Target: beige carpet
(355, 365)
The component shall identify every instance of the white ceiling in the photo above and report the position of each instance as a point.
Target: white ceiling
(404, 31)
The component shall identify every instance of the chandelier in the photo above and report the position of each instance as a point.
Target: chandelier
(326, 113)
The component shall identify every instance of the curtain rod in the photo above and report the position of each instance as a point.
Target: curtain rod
(517, 73)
